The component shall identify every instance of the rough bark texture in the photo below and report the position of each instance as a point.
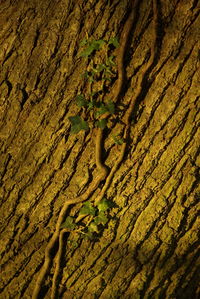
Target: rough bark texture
(149, 248)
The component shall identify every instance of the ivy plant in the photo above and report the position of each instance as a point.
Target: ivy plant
(98, 214)
(97, 71)
(94, 104)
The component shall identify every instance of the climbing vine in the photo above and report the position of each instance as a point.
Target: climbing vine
(97, 111)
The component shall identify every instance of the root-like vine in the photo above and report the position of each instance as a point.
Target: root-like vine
(102, 169)
(55, 237)
(138, 91)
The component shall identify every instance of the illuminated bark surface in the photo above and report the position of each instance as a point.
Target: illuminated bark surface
(149, 248)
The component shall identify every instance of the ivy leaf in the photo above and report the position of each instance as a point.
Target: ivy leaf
(98, 43)
(104, 205)
(101, 218)
(83, 42)
(87, 209)
(102, 109)
(101, 123)
(81, 101)
(87, 52)
(69, 223)
(78, 124)
(108, 107)
(93, 46)
(92, 104)
(88, 235)
(75, 120)
(111, 107)
(114, 41)
(93, 227)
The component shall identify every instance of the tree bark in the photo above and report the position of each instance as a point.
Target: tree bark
(149, 247)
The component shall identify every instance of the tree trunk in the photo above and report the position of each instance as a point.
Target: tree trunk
(148, 248)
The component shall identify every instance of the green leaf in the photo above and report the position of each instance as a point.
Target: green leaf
(93, 227)
(69, 223)
(104, 205)
(101, 218)
(92, 104)
(87, 52)
(97, 44)
(114, 41)
(81, 101)
(93, 46)
(101, 123)
(101, 110)
(88, 209)
(78, 124)
(110, 107)
(75, 120)
(88, 235)
(83, 42)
